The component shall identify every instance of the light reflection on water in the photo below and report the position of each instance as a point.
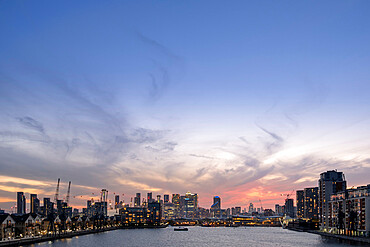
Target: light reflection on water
(199, 236)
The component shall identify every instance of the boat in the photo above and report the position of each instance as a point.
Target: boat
(180, 228)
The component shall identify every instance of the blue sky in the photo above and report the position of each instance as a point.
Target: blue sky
(242, 99)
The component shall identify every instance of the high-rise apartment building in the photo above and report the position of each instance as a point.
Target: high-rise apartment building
(137, 200)
(311, 208)
(21, 203)
(35, 204)
(166, 198)
(48, 206)
(116, 201)
(330, 182)
(289, 207)
(149, 197)
(300, 203)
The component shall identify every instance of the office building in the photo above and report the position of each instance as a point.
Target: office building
(189, 204)
(176, 201)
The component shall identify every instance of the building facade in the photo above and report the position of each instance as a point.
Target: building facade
(349, 212)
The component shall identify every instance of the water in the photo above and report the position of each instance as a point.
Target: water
(198, 236)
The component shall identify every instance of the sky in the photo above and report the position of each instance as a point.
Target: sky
(246, 100)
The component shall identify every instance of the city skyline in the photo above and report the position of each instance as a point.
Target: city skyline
(245, 101)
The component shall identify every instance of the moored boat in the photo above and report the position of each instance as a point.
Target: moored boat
(180, 228)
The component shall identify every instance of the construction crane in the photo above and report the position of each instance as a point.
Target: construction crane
(57, 192)
(68, 192)
(288, 195)
(261, 204)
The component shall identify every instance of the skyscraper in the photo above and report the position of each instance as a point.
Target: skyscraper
(216, 207)
(216, 202)
(190, 204)
(166, 198)
(176, 204)
(116, 201)
(48, 206)
(149, 197)
(330, 182)
(300, 203)
(35, 204)
(137, 200)
(21, 203)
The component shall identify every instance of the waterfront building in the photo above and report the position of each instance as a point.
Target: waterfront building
(300, 203)
(21, 203)
(154, 214)
(169, 211)
(349, 212)
(25, 225)
(7, 227)
(330, 182)
(251, 208)
(35, 204)
(133, 215)
(311, 208)
(289, 207)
